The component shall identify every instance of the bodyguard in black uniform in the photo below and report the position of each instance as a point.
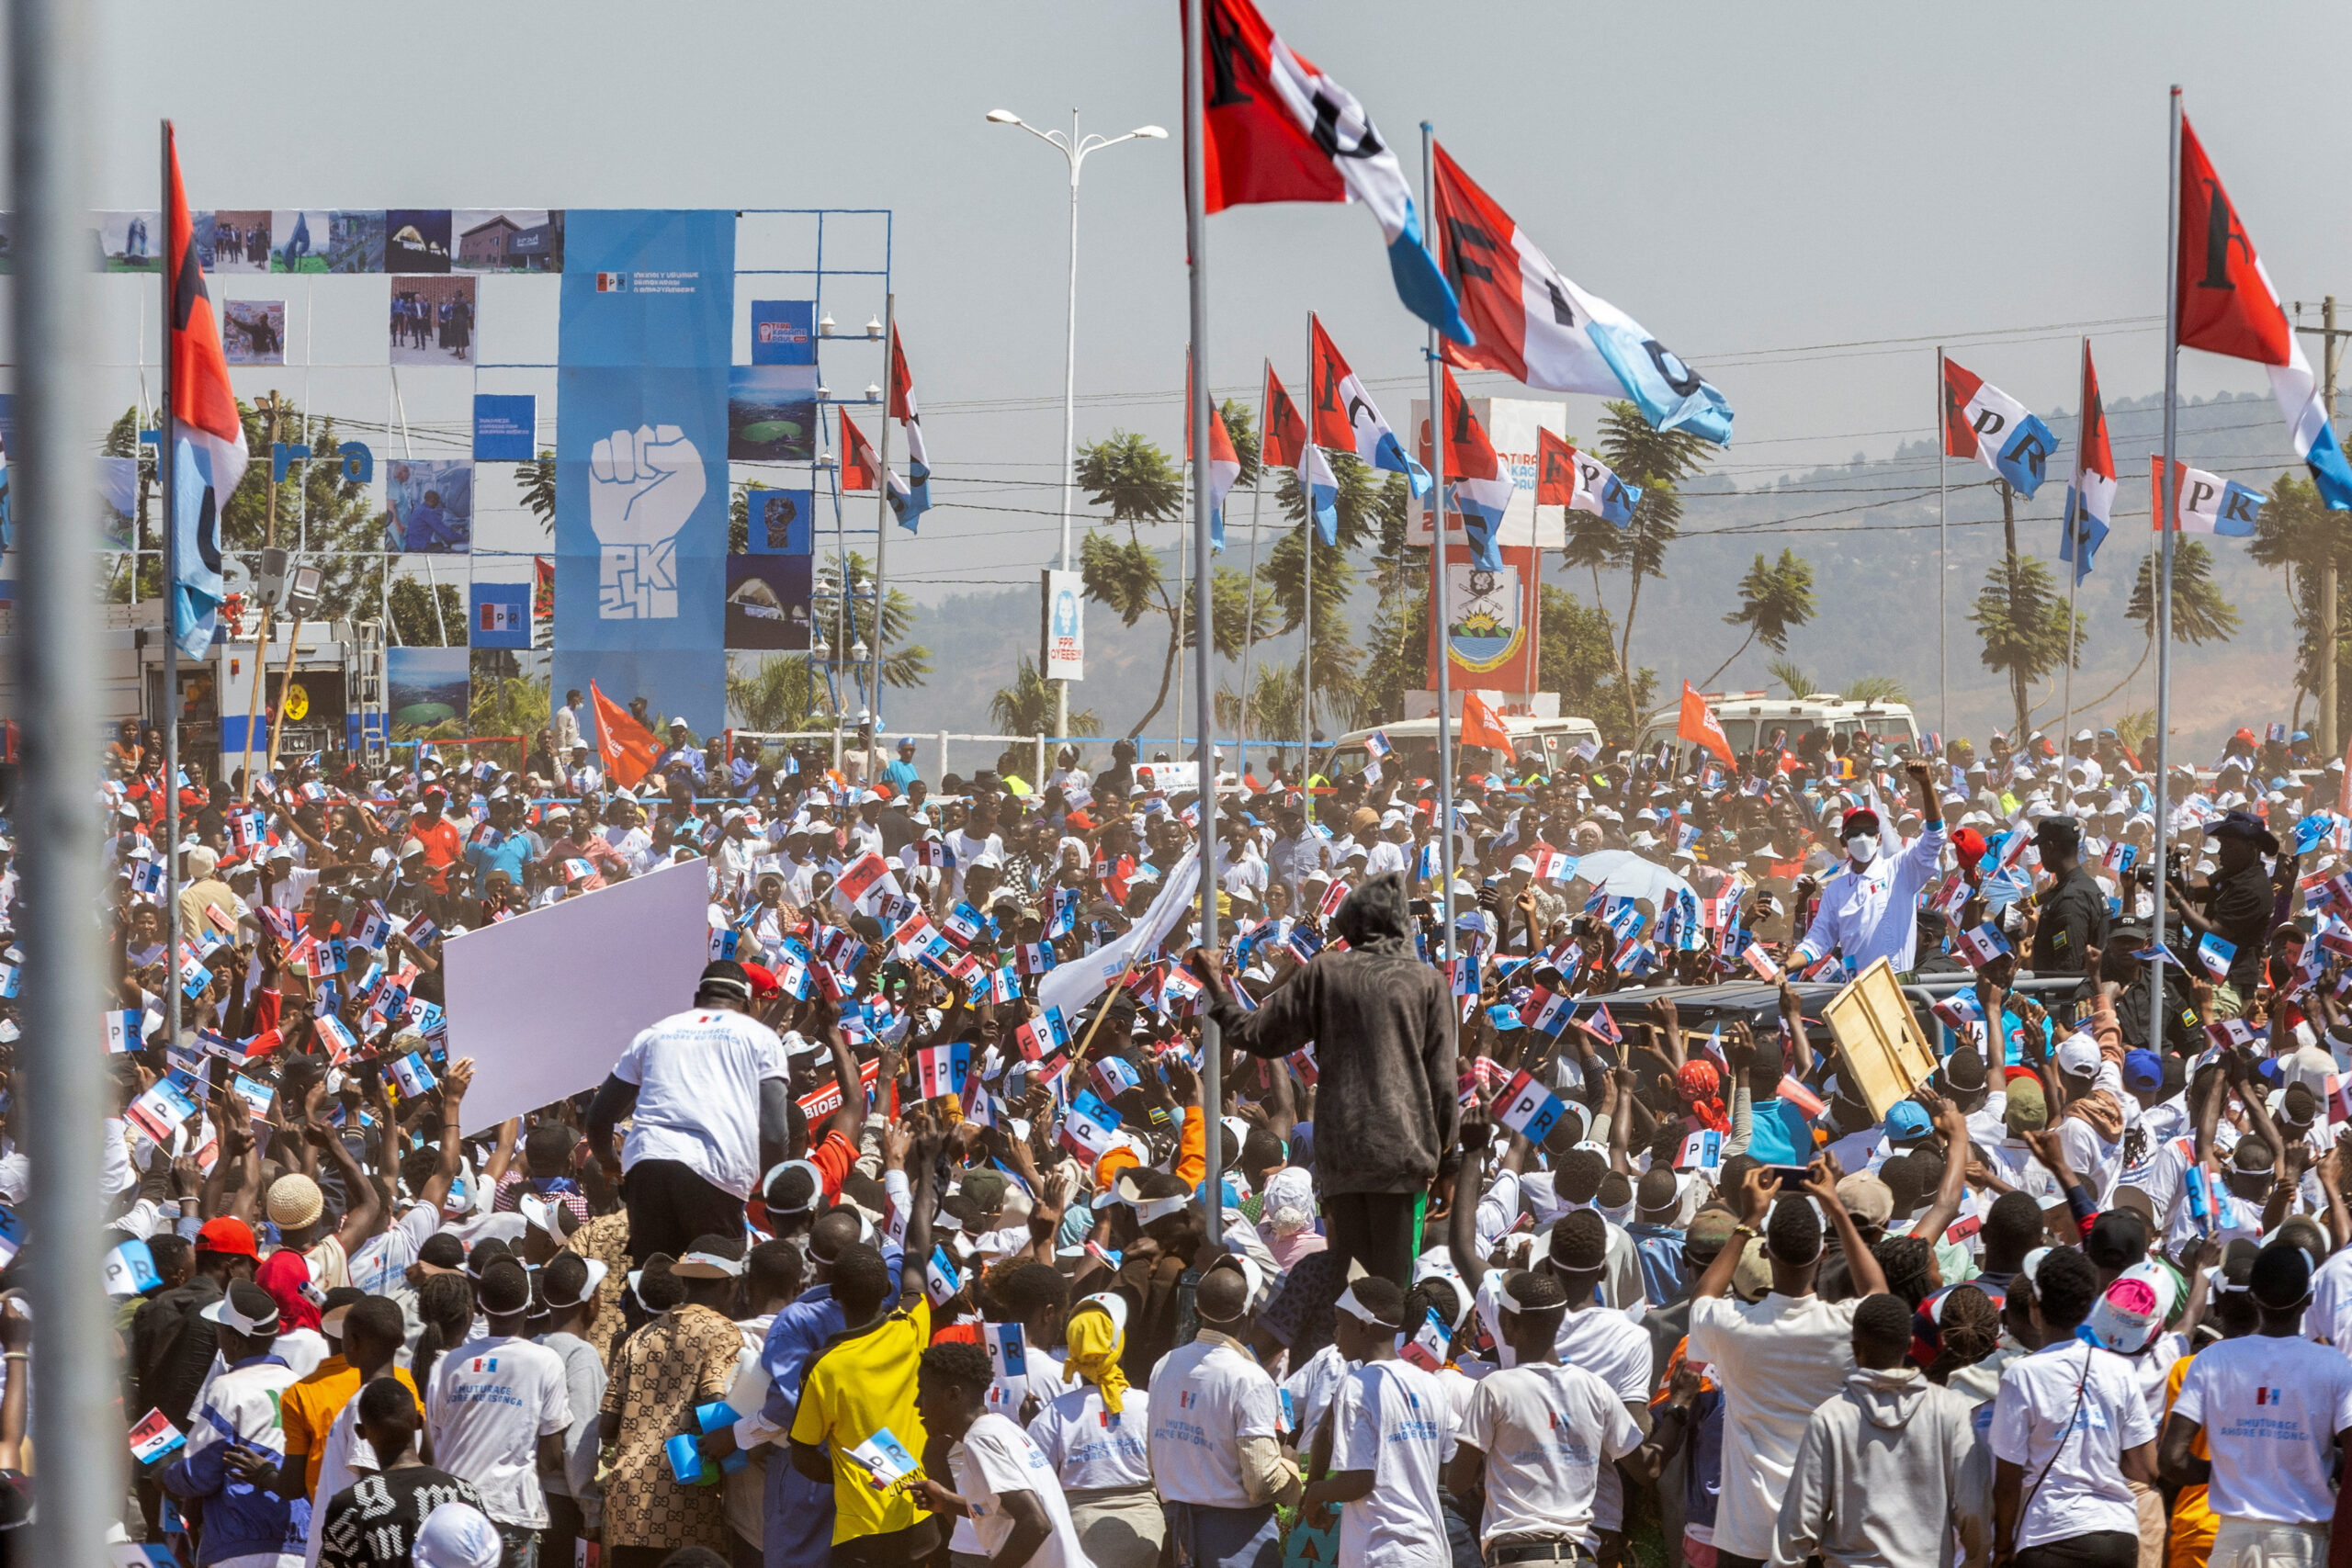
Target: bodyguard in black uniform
(2073, 909)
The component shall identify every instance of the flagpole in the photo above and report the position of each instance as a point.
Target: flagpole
(167, 476)
(1307, 657)
(881, 535)
(2164, 533)
(1196, 417)
(1444, 599)
(1943, 562)
(1249, 628)
(67, 1092)
(2074, 554)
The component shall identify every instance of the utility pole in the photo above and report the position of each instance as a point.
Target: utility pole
(2328, 332)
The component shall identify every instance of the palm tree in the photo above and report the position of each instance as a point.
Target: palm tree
(1658, 461)
(2199, 613)
(2022, 619)
(1876, 689)
(1786, 672)
(1773, 601)
(507, 705)
(2296, 533)
(779, 693)
(1026, 706)
(903, 664)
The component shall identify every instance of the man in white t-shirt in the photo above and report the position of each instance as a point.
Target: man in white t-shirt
(496, 1412)
(711, 1091)
(1004, 1484)
(1778, 1358)
(977, 837)
(1215, 1455)
(1603, 1341)
(1539, 1434)
(1392, 1431)
(2274, 1408)
(2070, 1429)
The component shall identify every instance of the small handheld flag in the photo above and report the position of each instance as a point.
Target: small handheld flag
(1528, 1108)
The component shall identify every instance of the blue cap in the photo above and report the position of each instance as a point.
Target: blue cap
(1908, 1120)
(2143, 1069)
(2301, 735)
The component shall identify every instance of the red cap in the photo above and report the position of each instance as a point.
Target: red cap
(762, 978)
(2244, 735)
(1846, 825)
(1971, 845)
(227, 1234)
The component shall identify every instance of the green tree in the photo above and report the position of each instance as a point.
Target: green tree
(1136, 483)
(1658, 461)
(1773, 600)
(778, 694)
(904, 663)
(505, 701)
(2296, 533)
(537, 479)
(1026, 706)
(1271, 712)
(427, 615)
(2021, 618)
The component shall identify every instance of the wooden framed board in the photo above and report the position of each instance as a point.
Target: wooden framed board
(1880, 1051)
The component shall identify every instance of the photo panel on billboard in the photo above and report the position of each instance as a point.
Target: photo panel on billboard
(298, 239)
(416, 239)
(428, 506)
(355, 240)
(500, 616)
(783, 331)
(428, 691)
(771, 413)
(781, 522)
(241, 241)
(254, 331)
(432, 321)
(131, 241)
(767, 603)
(507, 239)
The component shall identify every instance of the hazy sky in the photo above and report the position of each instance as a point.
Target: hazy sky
(1802, 201)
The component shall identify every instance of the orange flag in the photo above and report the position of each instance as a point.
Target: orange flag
(629, 749)
(1700, 726)
(1481, 726)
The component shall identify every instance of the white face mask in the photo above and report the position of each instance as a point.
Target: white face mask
(1863, 848)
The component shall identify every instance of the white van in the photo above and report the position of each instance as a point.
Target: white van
(1545, 744)
(1750, 718)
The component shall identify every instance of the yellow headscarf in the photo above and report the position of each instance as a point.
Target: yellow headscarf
(1094, 1342)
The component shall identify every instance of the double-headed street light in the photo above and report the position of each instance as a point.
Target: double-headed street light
(1074, 150)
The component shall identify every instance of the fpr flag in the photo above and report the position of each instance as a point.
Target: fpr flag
(2227, 306)
(1341, 416)
(1477, 486)
(1481, 726)
(1986, 423)
(1537, 327)
(208, 436)
(910, 498)
(1580, 482)
(1225, 463)
(1698, 724)
(2090, 498)
(1279, 129)
(628, 747)
(2204, 503)
(1285, 432)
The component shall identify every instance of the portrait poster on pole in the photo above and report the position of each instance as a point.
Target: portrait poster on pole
(1063, 656)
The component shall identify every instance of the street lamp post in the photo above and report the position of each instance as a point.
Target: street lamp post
(1073, 150)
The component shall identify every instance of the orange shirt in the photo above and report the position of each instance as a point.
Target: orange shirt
(444, 847)
(308, 1409)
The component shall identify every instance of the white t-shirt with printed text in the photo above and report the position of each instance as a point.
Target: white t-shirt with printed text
(1547, 1431)
(2271, 1408)
(1392, 1418)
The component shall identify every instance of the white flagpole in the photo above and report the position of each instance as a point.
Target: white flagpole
(1444, 596)
(2163, 576)
(2075, 556)
(881, 544)
(1943, 564)
(1196, 417)
(1306, 657)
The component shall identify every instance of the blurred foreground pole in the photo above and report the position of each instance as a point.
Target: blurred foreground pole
(77, 1431)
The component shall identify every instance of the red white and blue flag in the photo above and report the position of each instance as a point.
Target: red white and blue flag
(1580, 482)
(1984, 422)
(208, 435)
(2227, 306)
(1225, 463)
(1535, 326)
(2090, 497)
(1279, 129)
(1341, 416)
(1477, 484)
(909, 497)
(2202, 502)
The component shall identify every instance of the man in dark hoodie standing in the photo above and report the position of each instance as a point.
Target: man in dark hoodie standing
(1385, 1106)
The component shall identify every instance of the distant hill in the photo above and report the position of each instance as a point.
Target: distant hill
(1869, 530)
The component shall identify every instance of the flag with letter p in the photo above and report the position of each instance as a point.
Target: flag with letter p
(2202, 502)
(1528, 1108)
(2090, 498)
(909, 497)
(1984, 422)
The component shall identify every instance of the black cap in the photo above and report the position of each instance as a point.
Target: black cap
(2281, 1279)
(2245, 825)
(2118, 1239)
(2059, 832)
(1963, 1070)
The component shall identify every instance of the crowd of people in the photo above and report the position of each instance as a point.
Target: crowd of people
(928, 1231)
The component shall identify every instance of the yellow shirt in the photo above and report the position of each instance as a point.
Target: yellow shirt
(865, 1383)
(309, 1407)
(2191, 1542)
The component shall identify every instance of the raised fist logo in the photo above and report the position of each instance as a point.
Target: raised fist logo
(642, 487)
